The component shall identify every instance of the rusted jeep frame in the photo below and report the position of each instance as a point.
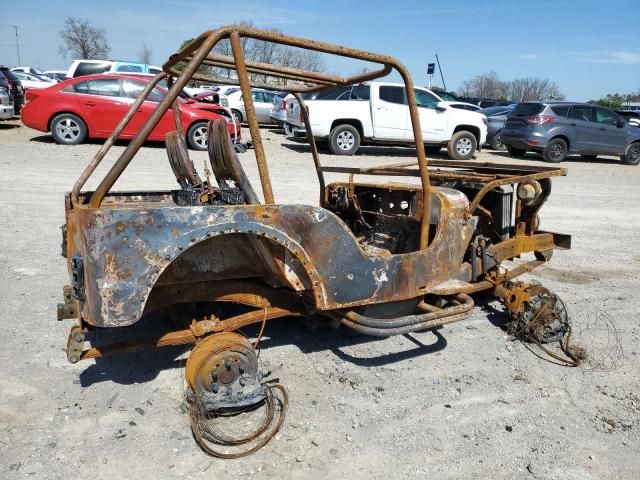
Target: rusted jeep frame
(130, 253)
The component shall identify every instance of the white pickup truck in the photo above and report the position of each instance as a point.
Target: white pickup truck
(377, 113)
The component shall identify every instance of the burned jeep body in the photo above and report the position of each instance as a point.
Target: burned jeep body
(379, 258)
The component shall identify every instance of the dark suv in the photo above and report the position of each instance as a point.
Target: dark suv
(557, 129)
(15, 88)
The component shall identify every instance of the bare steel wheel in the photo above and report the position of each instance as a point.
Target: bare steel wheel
(230, 405)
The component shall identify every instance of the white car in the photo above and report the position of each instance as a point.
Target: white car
(59, 75)
(377, 112)
(29, 80)
(262, 101)
(6, 107)
(88, 67)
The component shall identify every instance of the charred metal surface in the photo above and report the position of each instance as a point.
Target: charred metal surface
(126, 250)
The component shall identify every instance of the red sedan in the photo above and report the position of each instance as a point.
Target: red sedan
(91, 107)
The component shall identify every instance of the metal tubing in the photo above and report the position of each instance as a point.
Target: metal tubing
(150, 124)
(106, 146)
(422, 157)
(250, 110)
(465, 306)
(312, 143)
(388, 332)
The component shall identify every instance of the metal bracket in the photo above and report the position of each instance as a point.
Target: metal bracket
(70, 307)
(77, 277)
(75, 343)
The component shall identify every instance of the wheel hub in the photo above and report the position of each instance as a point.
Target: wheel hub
(543, 317)
(222, 372)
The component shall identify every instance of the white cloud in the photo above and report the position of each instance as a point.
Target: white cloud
(530, 56)
(604, 56)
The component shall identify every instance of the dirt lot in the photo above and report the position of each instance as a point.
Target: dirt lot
(460, 402)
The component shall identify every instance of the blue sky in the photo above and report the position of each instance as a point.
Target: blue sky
(589, 48)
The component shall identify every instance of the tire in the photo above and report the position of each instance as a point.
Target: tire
(344, 140)
(287, 129)
(432, 149)
(462, 145)
(516, 152)
(496, 142)
(197, 136)
(237, 114)
(589, 157)
(68, 129)
(555, 151)
(632, 154)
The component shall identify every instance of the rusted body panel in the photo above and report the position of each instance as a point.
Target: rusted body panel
(126, 249)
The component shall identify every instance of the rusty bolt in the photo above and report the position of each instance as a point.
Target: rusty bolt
(227, 364)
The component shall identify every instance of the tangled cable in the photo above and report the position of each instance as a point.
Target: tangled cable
(213, 437)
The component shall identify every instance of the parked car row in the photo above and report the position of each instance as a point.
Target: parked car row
(557, 129)
(91, 107)
(343, 118)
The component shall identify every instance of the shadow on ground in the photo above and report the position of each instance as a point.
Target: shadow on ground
(143, 366)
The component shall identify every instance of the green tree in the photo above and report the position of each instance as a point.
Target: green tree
(614, 102)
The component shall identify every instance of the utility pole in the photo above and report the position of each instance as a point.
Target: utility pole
(17, 44)
(441, 76)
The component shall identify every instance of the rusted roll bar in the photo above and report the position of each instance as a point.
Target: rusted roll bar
(198, 52)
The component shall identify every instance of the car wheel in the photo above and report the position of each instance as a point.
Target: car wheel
(632, 155)
(237, 115)
(555, 151)
(496, 142)
(432, 149)
(462, 146)
(197, 136)
(589, 157)
(287, 129)
(344, 140)
(68, 129)
(516, 152)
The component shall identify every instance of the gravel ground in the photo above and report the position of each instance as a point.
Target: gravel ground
(461, 402)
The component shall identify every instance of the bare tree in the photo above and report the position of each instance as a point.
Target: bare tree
(144, 54)
(488, 85)
(82, 40)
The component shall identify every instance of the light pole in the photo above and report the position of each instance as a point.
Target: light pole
(17, 43)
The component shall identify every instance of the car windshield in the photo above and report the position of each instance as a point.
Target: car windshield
(449, 97)
(490, 111)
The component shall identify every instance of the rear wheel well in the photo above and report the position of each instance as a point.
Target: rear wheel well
(562, 137)
(349, 121)
(471, 129)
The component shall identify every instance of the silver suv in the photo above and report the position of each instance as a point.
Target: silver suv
(557, 129)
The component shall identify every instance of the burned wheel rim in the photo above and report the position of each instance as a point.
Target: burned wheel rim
(212, 353)
(464, 146)
(68, 129)
(233, 412)
(345, 140)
